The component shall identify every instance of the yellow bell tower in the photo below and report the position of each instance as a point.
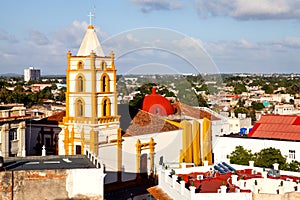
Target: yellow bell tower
(91, 99)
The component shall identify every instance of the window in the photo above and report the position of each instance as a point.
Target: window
(292, 154)
(80, 84)
(80, 65)
(12, 134)
(105, 83)
(79, 108)
(106, 107)
(103, 65)
(157, 111)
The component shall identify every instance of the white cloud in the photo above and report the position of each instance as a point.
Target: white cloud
(147, 6)
(5, 36)
(293, 42)
(246, 56)
(250, 9)
(38, 38)
(43, 50)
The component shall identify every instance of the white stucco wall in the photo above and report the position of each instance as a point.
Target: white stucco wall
(225, 145)
(85, 182)
(168, 145)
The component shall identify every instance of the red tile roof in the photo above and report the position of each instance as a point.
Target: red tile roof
(58, 116)
(158, 193)
(147, 123)
(284, 127)
(196, 112)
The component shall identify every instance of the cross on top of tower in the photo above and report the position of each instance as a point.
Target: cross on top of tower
(91, 15)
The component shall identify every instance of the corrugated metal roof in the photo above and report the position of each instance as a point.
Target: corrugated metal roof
(285, 127)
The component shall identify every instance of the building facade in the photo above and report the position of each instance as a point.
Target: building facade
(12, 120)
(32, 74)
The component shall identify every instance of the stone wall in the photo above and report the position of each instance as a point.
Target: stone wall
(50, 184)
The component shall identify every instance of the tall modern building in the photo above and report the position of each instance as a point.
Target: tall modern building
(32, 74)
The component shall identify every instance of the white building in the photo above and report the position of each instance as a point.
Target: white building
(32, 74)
(240, 183)
(278, 131)
(285, 109)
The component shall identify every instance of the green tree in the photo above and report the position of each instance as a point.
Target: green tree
(201, 101)
(257, 105)
(241, 110)
(292, 166)
(19, 89)
(267, 157)
(241, 156)
(240, 88)
(253, 115)
(46, 93)
(269, 89)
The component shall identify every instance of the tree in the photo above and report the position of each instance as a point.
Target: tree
(292, 166)
(241, 156)
(267, 157)
(253, 115)
(241, 110)
(143, 91)
(240, 88)
(269, 89)
(257, 105)
(201, 101)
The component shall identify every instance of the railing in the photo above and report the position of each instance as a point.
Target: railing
(95, 160)
(107, 119)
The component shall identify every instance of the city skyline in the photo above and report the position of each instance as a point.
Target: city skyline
(235, 35)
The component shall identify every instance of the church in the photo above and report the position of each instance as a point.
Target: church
(160, 132)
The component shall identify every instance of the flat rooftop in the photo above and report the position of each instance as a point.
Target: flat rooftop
(46, 162)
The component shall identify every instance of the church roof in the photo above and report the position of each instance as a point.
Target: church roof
(195, 112)
(284, 127)
(157, 104)
(90, 43)
(147, 123)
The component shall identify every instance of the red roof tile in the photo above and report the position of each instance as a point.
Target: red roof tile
(58, 116)
(196, 112)
(158, 193)
(283, 127)
(146, 123)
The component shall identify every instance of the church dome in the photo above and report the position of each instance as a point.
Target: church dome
(157, 104)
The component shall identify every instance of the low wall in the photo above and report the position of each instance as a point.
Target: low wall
(52, 184)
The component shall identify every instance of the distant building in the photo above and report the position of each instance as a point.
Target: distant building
(277, 131)
(12, 121)
(285, 109)
(32, 74)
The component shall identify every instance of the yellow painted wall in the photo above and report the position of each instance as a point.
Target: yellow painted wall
(196, 142)
(206, 141)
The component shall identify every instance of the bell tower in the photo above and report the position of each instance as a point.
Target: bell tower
(91, 98)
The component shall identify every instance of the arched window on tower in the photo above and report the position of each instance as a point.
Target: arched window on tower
(105, 83)
(103, 65)
(80, 84)
(79, 108)
(106, 107)
(80, 65)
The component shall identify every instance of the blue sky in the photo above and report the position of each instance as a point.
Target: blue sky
(257, 36)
